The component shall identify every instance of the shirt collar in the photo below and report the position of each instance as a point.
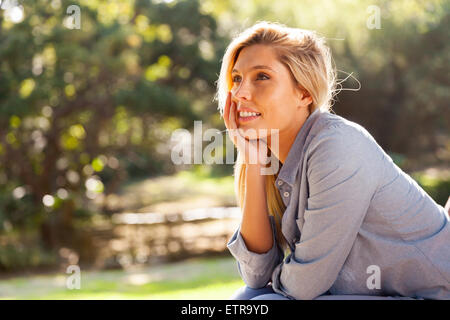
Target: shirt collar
(290, 166)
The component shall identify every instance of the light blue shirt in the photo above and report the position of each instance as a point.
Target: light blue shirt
(355, 222)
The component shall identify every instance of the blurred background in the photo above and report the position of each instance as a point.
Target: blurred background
(92, 90)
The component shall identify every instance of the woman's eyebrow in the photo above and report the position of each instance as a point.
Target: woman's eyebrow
(256, 67)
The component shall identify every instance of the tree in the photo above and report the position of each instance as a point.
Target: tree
(78, 105)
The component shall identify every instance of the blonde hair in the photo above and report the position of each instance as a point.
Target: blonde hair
(309, 60)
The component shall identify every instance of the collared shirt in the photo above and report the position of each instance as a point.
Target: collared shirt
(354, 221)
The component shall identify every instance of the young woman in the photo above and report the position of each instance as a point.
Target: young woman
(339, 220)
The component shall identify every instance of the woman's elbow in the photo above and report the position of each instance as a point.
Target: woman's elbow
(255, 280)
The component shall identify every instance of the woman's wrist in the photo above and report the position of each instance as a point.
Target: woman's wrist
(254, 170)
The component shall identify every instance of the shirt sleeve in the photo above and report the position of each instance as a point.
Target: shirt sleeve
(342, 176)
(254, 268)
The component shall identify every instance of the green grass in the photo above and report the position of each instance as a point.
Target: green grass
(205, 279)
(192, 279)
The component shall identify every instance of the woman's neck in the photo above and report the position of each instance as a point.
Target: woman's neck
(286, 138)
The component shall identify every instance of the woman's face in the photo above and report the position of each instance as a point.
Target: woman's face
(262, 84)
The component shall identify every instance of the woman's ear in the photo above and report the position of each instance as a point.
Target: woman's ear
(304, 97)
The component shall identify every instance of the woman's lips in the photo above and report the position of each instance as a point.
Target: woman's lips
(247, 119)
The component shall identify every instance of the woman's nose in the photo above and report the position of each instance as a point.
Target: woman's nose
(241, 92)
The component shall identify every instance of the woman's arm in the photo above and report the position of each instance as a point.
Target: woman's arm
(257, 261)
(255, 227)
(259, 253)
(343, 174)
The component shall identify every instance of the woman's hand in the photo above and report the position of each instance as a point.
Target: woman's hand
(251, 151)
(255, 230)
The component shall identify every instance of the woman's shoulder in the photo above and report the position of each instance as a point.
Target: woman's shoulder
(344, 148)
(328, 122)
(335, 135)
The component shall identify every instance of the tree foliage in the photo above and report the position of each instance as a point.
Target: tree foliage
(82, 108)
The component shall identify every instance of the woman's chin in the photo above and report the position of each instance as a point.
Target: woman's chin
(255, 137)
(249, 133)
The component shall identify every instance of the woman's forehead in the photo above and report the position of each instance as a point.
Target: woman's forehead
(256, 56)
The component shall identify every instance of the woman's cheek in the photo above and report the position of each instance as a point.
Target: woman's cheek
(274, 121)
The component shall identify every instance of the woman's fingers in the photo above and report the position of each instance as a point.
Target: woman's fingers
(241, 143)
(225, 107)
(226, 110)
(248, 148)
(232, 127)
(232, 117)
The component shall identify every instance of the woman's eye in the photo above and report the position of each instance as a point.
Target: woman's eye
(261, 76)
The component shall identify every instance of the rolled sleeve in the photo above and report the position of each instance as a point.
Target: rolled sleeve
(254, 268)
(342, 177)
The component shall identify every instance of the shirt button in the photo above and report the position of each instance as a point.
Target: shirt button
(280, 182)
(286, 194)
